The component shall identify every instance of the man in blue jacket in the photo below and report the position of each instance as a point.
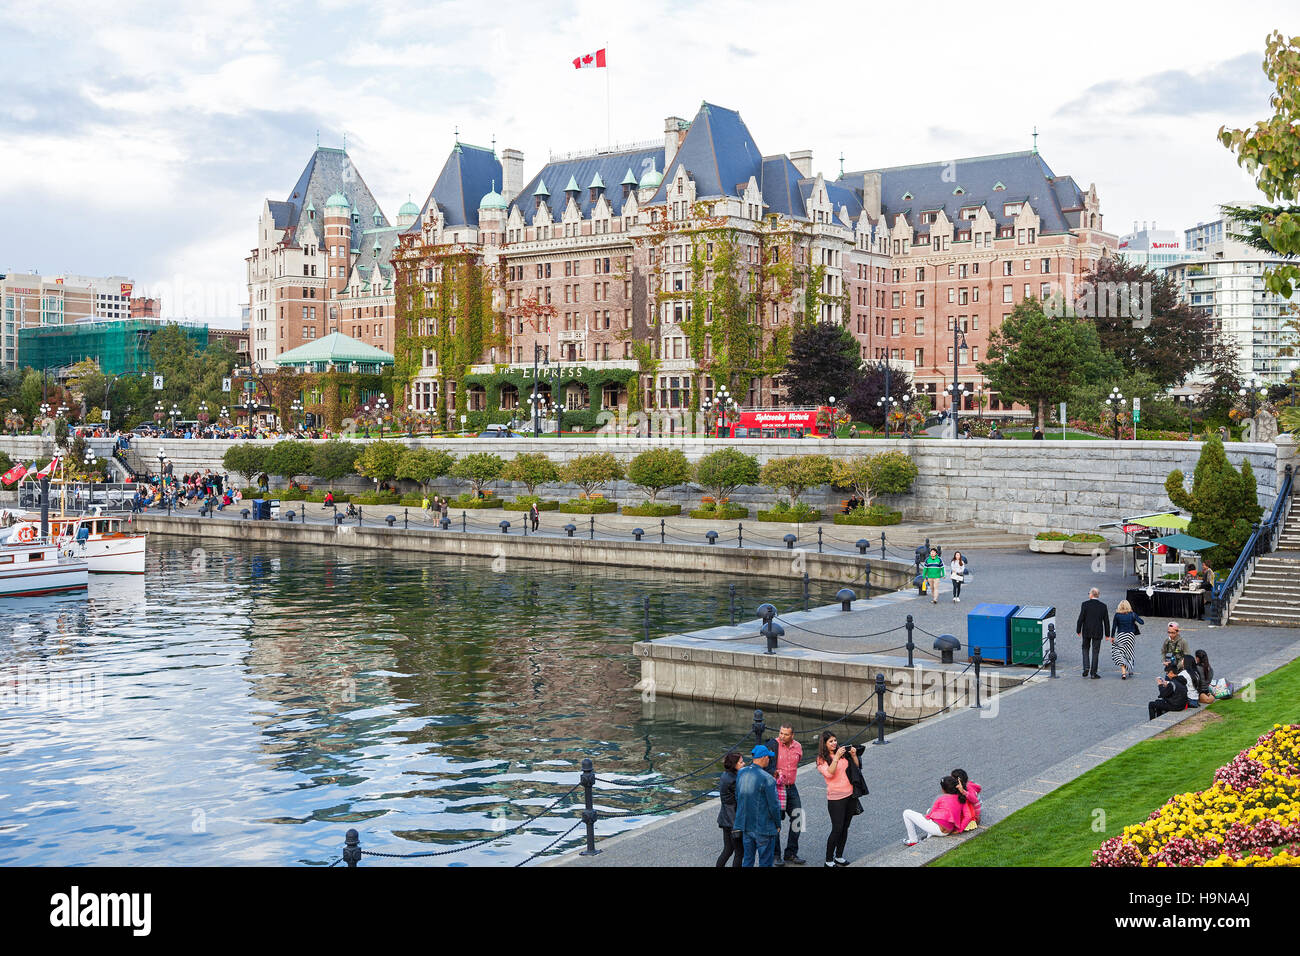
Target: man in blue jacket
(758, 812)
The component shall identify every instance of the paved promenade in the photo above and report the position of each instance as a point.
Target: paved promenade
(1032, 739)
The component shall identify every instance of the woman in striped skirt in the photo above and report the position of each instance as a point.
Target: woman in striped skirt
(1123, 629)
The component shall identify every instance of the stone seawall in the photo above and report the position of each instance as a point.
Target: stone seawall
(756, 562)
(1016, 485)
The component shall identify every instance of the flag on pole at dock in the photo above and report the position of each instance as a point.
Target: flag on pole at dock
(589, 60)
(14, 474)
(48, 469)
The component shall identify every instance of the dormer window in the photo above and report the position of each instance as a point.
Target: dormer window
(1012, 208)
(959, 191)
(998, 187)
(907, 197)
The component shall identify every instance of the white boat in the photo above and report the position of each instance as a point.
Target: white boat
(105, 542)
(29, 569)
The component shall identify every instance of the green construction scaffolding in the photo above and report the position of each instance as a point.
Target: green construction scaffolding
(120, 347)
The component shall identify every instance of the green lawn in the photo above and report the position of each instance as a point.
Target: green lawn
(1056, 830)
(1054, 433)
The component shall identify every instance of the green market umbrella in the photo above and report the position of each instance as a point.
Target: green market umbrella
(1163, 521)
(1184, 542)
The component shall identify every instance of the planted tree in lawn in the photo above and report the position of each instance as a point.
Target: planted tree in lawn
(289, 459)
(658, 469)
(723, 471)
(1222, 502)
(885, 473)
(424, 465)
(530, 469)
(796, 474)
(592, 472)
(379, 460)
(245, 459)
(333, 460)
(478, 469)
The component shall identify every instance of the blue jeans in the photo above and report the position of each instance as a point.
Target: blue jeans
(764, 847)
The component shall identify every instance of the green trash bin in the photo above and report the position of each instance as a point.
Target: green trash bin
(1029, 634)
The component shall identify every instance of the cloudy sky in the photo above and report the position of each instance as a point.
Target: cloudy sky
(140, 139)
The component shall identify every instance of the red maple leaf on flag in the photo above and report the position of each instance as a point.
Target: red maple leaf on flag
(587, 58)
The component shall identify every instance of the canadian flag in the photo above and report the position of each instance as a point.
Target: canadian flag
(48, 469)
(589, 59)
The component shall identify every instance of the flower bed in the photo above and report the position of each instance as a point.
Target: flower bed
(1249, 816)
(656, 510)
(588, 506)
(470, 503)
(797, 513)
(725, 513)
(875, 515)
(525, 503)
(1049, 542)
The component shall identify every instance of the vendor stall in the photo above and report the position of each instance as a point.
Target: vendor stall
(1174, 586)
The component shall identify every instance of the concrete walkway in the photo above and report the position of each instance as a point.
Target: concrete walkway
(1031, 740)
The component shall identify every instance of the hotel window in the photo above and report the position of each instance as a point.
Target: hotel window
(961, 271)
(920, 357)
(951, 269)
(950, 353)
(1045, 266)
(1026, 265)
(920, 300)
(919, 326)
(1028, 293)
(963, 296)
(975, 294)
(1046, 290)
(1007, 294)
(1006, 268)
(974, 354)
(952, 295)
(895, 300)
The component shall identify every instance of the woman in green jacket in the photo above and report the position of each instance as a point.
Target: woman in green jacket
(934, 572)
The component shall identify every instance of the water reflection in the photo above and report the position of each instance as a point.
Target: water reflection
(252, 702)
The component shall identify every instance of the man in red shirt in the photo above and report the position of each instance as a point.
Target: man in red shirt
(785, 768)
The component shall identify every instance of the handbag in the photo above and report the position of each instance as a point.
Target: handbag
(855, 807)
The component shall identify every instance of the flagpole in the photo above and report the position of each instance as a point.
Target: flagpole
(609, 139)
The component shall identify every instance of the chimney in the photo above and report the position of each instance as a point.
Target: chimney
(1135, 226)
(802, 160)
(512, 173)
(871, 195)
(674, 132)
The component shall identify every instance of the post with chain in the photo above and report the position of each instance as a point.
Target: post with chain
(976, 657)
(359, 515)
(352, 848)
(462, 521)
(880, 710)
(911, 646)
(588, 781)
(758, 727)
(592, 535)
(740, 534)
(1051, 648)
(819, 539)
(731, 594)
(406, 519)
(882, 546)
(661, 530)
(866, 579)
(805, 590)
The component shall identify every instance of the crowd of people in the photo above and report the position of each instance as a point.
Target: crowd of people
(757, 799)
(166, 490)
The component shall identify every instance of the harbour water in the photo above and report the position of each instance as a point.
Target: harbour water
(247, 704)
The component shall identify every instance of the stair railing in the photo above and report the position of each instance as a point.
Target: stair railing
(1262, 540)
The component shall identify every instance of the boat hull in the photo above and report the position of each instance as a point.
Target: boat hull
(25, 582)
(120, 555)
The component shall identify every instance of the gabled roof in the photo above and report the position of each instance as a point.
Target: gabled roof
(719, 154)
(466, 177)
(386, 238)
(335, 347)
(331, 171)
(1025, 176)
(779, 181)
(281, 213)
(583, 169)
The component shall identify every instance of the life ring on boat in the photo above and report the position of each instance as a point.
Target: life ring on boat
(26, 533)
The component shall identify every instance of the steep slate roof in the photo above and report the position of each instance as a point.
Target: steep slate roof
(335, 347)
(1025, 175)
(610, 167)
(387, 238)
(839, 195)
(779, 180)
(467, 176)
(330, 171)
(718, 152)
(281, 212)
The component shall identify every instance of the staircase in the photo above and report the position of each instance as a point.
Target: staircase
(1272, 591)
(965, 536)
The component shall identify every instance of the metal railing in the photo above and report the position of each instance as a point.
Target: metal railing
(1262, 540)
(79, 496)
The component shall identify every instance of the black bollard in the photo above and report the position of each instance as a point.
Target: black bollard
(910, 646)
(770, 629)
(661, 530)
(462, 521)
(975, 656)
(1051, 648)
(303, 516)
(390, 520)
(406, 518)
(731, 597)
(805, 590)
(505, 527)
(570, 528)
(846, 597)
(352, 848)
(645, 624)
(819, 539)
(866, 579)
(882, 546)
(862, 544)
(592, 536)
(758, 727)
(711, 536)
(880, 710)
(789, 540)
(359, 509)
(740, 535)
(588, 781)
(444, 523)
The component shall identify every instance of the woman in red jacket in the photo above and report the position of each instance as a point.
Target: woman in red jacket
(946, 816)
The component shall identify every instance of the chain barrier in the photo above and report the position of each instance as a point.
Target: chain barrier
(549, 845)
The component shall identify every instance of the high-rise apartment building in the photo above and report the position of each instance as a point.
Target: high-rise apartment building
(29, 300)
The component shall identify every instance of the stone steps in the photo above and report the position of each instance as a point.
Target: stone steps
(1271, 595)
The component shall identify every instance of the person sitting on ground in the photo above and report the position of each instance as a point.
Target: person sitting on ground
(1173, 693)
(946, 815)
(225, 500)
(352, 510)
(1207, 673)
(1196, 684)
(971, 791)
(329, 500)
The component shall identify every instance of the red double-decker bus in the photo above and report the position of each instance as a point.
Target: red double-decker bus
(780, 423)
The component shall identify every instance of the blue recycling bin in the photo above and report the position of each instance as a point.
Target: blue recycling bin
(261, 510)
(988, 628)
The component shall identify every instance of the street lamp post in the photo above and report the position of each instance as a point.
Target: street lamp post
(381, 409)
(295, 408)
(958, 346)
(546, 361)
(1254, 389)
(1115, 401)
(887, 402)
(723, 400)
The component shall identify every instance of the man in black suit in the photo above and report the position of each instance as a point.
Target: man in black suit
(1173, 693)
(1092, 626)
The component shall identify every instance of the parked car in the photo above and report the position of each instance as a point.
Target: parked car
(498, 431)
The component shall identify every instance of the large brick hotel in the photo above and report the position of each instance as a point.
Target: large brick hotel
(597, 262)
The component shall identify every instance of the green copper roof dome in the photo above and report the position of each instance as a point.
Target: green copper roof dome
(596, 182)
(541, 189)
(651, 177)
(492, 199)
(629, 179)
(409, 209)
(573, 186)
(338, 200)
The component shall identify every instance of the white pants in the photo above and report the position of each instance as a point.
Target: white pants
(912, 819)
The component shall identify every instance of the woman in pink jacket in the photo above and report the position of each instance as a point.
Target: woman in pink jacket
(971, 791)
(948, 815)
